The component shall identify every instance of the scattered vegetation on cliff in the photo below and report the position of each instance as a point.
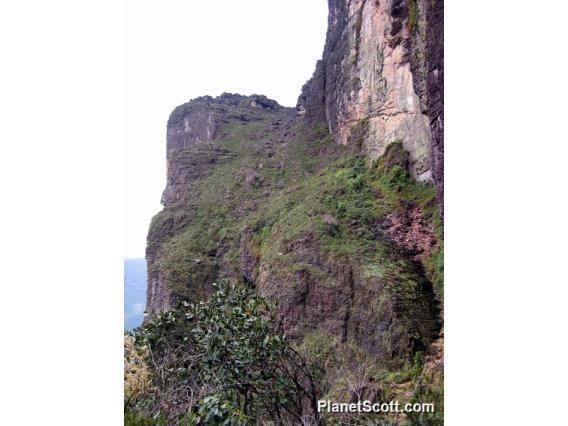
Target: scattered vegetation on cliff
(311, 226)
(412, 14)
(282, 197)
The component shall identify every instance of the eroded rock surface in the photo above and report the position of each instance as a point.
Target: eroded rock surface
(278, 198)
(383, 63)
(410, 230)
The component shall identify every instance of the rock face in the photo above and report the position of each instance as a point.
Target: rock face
(196, 122)
(286, 201)
(346, 299)
(263, 197)
(383, 63)
(435, 90)
(190, 157)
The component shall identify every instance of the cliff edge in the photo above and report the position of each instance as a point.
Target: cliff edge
(332, 209)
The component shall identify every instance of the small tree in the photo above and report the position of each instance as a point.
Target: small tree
(228, 352)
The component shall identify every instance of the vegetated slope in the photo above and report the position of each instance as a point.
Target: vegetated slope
(134, 292)
(350, 250)
(332, 210)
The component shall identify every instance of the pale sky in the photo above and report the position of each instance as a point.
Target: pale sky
(177, 50)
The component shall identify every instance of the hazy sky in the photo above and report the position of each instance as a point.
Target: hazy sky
(177, 50)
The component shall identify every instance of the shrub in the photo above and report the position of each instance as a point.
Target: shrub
(213, 410)
(226, 357)
(137, 379)
(398, 177)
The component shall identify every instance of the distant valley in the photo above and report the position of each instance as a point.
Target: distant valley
(134, 292)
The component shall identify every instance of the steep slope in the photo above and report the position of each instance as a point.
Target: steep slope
(271, 201)
(383, 62)
(332, 209)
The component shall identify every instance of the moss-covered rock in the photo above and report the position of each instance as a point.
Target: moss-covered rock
(287, 211)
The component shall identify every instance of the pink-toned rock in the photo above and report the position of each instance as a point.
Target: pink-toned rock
(330, 220)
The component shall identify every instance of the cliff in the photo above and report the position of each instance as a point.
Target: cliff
(332, 209)
(383, 63)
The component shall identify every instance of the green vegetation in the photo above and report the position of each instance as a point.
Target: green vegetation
(216, 410)
(359, 131)
(429, 393)
(223, 361)
(227, 201)
(311, 209)
(412, 14)
(345, 372)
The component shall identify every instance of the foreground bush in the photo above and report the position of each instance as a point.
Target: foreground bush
(223, 361)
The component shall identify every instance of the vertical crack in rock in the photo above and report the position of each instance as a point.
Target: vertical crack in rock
(381, 65)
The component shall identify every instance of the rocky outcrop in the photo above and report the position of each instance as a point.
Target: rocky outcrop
(427, 66)
(341, 297)
(191, 156)
(288, 203)
(383, 63)
(198, 120)
(435, 101)
(261, 194)
(165, 225)
(410, 230)
(195, 123)
(185, 166)
(311, 103)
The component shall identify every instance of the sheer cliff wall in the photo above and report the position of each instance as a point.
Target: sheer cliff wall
(382, 69)
(328, 209)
